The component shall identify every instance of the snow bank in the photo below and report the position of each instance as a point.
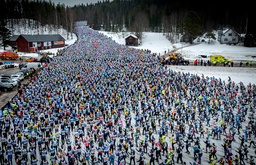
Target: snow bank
(237, 74)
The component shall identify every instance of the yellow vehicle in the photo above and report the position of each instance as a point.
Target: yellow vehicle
(219, 59)
(175, 56)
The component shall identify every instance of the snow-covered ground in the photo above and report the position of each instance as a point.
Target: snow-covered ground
(157, 43)
(235, 53)
(237, 74)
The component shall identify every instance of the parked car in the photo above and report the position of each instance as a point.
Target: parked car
(4, 76)
(21, 65)
(19, 73)
(10, 82)
(30, 65)
(202, 56)
(31, 60)
(5, 87)
(4, 79)
(17, 77)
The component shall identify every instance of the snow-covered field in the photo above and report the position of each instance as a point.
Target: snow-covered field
(237, 74)
(236, 53)
(157, 43)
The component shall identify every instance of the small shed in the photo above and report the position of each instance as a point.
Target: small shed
(131, 40)
(32, 43)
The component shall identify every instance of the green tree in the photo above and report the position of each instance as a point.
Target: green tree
(192, 25)
(249, 40)
(210, 36)
(5, 34)
(127, 20)
(96, 24)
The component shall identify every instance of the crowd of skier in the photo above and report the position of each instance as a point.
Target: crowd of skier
(111, 104)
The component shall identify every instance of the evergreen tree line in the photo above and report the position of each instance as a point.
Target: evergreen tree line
(43, 12)
(169, 16)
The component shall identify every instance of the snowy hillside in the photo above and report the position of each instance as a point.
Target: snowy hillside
(156, 42)
(28, 26)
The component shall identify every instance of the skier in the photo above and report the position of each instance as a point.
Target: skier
(179, 152)
(132, 156)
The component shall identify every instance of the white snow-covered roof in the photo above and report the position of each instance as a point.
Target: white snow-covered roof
(39, 38)
(225, 31)
(131, 35)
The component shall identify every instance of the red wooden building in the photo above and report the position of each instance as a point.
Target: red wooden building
(33, 43)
